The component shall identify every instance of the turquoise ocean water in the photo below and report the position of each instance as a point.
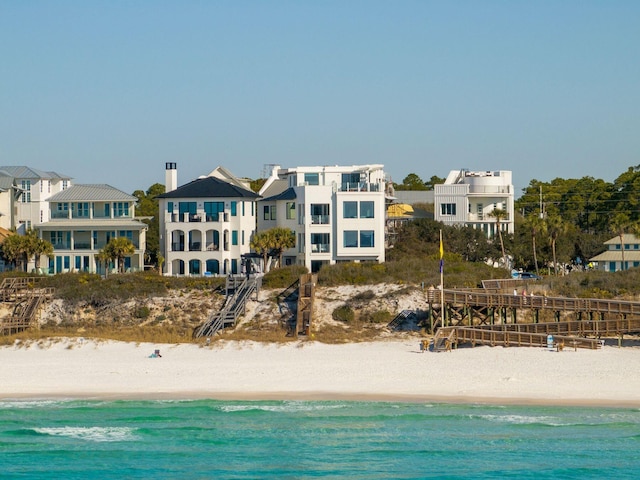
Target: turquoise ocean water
(304, 439)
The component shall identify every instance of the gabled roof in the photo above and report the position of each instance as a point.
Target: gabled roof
(209, 187)
(92, 193)
(288, 194)
(28, 172)
(626, 238)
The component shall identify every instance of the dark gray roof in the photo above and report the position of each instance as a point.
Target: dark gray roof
(209, 187)
(92, 193)
(288, 194)
(28, 172)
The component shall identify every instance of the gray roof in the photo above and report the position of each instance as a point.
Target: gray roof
(288, 194)
(6, 182)
(92, 193)
(276, 188)
(28, 172)
(93, 224)
(616, 256)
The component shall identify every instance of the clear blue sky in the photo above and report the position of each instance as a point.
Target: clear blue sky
(107, 92)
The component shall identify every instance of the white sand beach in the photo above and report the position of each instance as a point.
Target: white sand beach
(384, 370)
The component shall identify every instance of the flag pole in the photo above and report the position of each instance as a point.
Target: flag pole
(442, 309)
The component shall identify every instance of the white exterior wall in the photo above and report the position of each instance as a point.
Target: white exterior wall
(332, 192)
(475, 195)
(198, 239)
(37, 210)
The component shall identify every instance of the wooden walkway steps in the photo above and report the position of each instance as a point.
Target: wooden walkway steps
(399, 320)
(234, 307)
(28, 299)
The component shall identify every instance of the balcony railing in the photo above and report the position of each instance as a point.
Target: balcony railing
(320, 219)
(212, 247)
(177, 247)
(195, 246)
(361, 187)
(319, 248)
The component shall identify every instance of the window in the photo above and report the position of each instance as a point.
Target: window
(121, 209)
(366, 209)
(319, 242)
(83, 209)
(350, 210)
(366, 238)
(65, 184)
(350, 238)
(320, 213)
(26, 191)
(448, 208)
(170, 207)
(234, 209)
(291, 210)
(242, 237)
(312, 178)
(234, 237)
(212, 211)
(269, 212)
(243, 208)
(350, 182)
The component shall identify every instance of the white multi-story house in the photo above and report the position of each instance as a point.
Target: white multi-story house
(467, 198)
(205, 225)
(29, 195)
(83, 218)
(336, 212)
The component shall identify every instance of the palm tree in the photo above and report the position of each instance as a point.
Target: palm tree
(102, 257)
(555, 227)
(498, 214)
(12, 249)
(119, 248)
(535, 225)
(262, 243)
(282, 239)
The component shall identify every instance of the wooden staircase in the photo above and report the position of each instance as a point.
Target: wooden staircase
(234, 307)
(28, 300)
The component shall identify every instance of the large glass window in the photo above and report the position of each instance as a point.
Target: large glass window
(83, 209)
(350, 182)
(350, 210)
(312, 178)
(121, 209)
(234, 237)
(319, 242)
(350, 238)
(212, 211)
(366, 238)
(320, 213)
(234, 209)
(366, 210)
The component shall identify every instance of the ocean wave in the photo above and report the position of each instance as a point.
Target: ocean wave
(92, 434)
(22, 404)
(285, 407)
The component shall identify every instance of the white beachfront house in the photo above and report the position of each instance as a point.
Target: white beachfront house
(336, 212)
(611, 260)
(25, 194)
(83, 218)
(205, 225)
(467, 198)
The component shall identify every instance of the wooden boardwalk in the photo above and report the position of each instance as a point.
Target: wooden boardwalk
(27, 298)
(490, 318)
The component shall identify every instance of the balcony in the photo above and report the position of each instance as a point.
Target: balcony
(361, 187)
(195, 247)
(212, 247)
(177, 247)
(82, 245)
(319, 248)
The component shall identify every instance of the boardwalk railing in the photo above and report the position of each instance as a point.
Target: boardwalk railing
(498, 300)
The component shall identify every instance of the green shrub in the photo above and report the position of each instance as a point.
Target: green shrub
(344, 313)
(283, 277)
(141, 312)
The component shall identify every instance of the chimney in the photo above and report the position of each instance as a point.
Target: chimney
(170, 177)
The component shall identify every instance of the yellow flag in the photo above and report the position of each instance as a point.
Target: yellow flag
(441, 247)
